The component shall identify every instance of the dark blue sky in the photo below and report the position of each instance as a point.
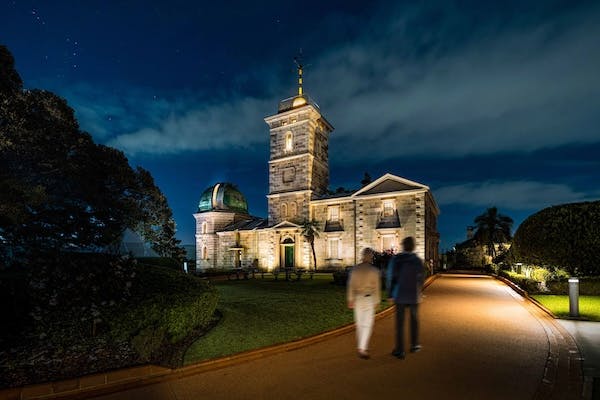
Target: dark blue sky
(489, 104)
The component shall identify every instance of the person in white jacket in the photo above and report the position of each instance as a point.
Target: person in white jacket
(363, 295)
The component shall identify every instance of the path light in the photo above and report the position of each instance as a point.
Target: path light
(573, 297)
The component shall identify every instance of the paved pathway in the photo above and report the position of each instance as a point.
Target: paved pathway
(587, 335)
(480, 340)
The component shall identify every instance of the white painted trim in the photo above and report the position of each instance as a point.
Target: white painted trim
(390, 194)
(277, 195)
(392, 177)
(289, 158)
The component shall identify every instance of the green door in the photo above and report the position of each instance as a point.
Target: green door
(289, 256)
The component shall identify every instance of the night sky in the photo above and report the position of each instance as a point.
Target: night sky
(489, 104)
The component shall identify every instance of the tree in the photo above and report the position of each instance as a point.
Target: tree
(310, 230)
(366, 179)
(61, 191)
(492, 228)
(566, 236)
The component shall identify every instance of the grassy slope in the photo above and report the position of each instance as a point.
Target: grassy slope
(258, 313)
(589, 306)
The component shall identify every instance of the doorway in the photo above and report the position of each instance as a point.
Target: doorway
(287, 253)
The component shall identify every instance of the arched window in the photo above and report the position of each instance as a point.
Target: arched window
(284, 210)
(204, 253)
(204, 227)
(293, 209)
(288, 142)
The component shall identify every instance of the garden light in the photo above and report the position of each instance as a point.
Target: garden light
(574, 297)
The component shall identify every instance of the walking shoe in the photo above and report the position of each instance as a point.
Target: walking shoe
(399, 354)
(363, 354)
(415, 349)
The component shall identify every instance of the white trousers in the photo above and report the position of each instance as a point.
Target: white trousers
(364, 316)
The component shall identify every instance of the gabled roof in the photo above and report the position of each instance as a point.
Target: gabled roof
(389, 183)
(285, 224)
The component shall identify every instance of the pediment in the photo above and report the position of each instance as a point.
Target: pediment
(286, 225)
(389, 183)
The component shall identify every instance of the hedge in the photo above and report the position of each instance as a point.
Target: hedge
(166, 308)
(566, 236)
(587, 286)
(527, 284)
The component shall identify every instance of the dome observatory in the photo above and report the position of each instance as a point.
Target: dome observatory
(223, 197)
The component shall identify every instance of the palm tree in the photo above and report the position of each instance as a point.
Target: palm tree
(310, 230)
(492, 228)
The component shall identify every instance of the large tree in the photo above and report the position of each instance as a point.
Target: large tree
(492, 228)
(61, 191)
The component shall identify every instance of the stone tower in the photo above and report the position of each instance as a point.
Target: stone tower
(299, 161)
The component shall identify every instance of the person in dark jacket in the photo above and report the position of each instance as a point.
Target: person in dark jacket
(405, 275)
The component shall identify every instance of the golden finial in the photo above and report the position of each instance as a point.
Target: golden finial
(298, 62)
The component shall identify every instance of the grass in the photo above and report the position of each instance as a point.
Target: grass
(589, 306)
(258, 313)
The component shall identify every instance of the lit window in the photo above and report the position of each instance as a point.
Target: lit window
(288, 142)
(334, 213)
(334, 248)
(204, 227)
(388, 242)
(284, 210)
(388, 208)
(293, 209)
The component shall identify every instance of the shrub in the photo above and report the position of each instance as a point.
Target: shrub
(162, 262)
(166, 308)
(70, 294)
(527, 284)
(587, 286)
(340, 277)
(540, 274)
(565, 236)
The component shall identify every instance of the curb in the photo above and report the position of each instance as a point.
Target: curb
(128, 378)
(563, 374)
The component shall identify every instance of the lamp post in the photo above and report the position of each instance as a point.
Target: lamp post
(573, 297)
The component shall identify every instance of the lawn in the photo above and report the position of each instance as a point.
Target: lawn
(589, 306)
(258, 313)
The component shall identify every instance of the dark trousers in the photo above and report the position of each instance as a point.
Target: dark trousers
(414, 326)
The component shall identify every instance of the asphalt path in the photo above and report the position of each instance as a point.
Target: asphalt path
(481, 340)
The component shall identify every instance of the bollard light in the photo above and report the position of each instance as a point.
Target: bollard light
(574, 297)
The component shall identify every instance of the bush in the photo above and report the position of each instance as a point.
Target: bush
(540, 274)
(166, 307)
(70, 294)
(340, 277)
(162, 262)
(587, 286)
(527, 284)
(565, 236)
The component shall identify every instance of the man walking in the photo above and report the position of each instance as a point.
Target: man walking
(405, 275)
(363, 294)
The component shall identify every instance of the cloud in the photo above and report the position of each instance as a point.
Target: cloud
(513, 90)
(237, 123)
(517, 195)
(402, 86)
(106, 112)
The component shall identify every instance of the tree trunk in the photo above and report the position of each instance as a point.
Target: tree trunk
(314, 257)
